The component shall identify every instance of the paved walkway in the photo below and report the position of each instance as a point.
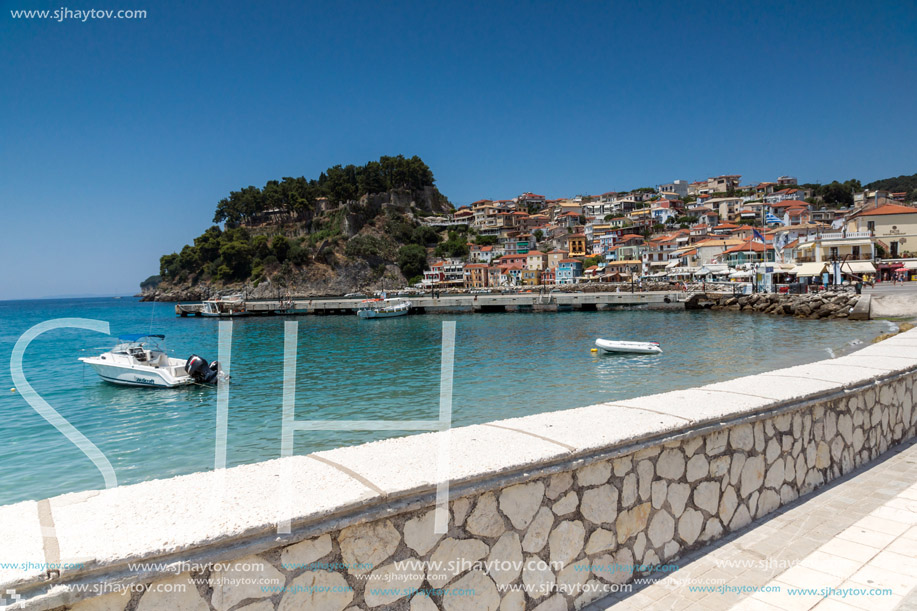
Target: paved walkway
(856, 535)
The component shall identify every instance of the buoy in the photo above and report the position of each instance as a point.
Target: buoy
(594, 350)
(12, 390)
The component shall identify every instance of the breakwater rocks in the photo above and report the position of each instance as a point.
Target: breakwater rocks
(828, 304)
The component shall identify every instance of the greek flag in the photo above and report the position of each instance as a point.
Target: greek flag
(771, 218)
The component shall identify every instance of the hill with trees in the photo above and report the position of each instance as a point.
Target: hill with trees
(906, 184)
(352, 228)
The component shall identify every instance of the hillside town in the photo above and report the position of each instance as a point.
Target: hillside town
(769, 236)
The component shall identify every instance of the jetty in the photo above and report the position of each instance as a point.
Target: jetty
(465, 303)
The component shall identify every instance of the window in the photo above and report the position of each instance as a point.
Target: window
(871, 225)
(894, 246)
(833, 252)
(856, 252)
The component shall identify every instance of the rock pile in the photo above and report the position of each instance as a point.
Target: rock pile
(827, 304)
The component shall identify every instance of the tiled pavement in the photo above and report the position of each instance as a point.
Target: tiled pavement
(859, 532)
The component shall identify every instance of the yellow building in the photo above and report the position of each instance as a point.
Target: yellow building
(892, 224)
(576, 245)
(531, 277)
(476, 275)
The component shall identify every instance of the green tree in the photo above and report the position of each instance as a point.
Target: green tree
(237, 258)
(168, 266)
(281, 247)
(837, 194)
(412, 260)
(260, 248)
(424, 234)
(150, 283)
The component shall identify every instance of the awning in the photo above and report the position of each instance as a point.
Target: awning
(809, 269)
(659, 263)
(910, 265)
(675, 262)
(805, 245)
(858, 267)
(713, 269)
(740, 274)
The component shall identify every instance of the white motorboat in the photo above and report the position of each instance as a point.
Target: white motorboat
(609, 345)
(231, 305)
(383, 308)
(139, 360)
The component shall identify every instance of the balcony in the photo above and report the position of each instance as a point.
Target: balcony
(827, 258)
(841, 235)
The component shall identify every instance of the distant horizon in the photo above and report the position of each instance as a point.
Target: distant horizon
(62, 297)
(121, 136)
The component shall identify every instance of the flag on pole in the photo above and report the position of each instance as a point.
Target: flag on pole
(772, 218)
(757, 236)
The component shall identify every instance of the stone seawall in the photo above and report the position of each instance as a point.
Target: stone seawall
(546, 512)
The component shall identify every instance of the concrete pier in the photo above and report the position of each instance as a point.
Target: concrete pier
(451, 304)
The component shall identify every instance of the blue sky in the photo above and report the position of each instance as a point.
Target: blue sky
(118, 137)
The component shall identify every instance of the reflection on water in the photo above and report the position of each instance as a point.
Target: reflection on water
(506, 365)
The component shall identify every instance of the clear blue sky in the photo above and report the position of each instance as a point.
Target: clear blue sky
(118, 137)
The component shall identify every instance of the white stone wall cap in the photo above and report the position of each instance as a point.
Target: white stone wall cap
(774, 386)
(163, 517)
(21, 544)
(596, 427)
(700, 406)
(403, 465)
(845, 374)
(897, 362)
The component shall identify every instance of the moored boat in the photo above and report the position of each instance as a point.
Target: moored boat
(231, 305)
(384, 308)
(608, 345)
(139, 360)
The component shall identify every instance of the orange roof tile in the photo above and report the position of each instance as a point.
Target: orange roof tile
(889, 209)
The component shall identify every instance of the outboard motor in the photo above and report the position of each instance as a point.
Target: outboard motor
(198, 369)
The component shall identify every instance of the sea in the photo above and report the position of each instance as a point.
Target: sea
(505, 365)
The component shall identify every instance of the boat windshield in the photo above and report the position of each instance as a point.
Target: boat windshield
(134, 344)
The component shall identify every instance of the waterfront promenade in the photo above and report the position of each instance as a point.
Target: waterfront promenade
(857, 533)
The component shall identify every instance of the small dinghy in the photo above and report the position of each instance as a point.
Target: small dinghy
(609, 345)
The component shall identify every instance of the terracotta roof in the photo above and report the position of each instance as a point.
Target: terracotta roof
(787, 203)
(748, 245)
(717, 242)
(889, 209)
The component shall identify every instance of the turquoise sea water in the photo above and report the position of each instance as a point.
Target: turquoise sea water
(506, 365)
